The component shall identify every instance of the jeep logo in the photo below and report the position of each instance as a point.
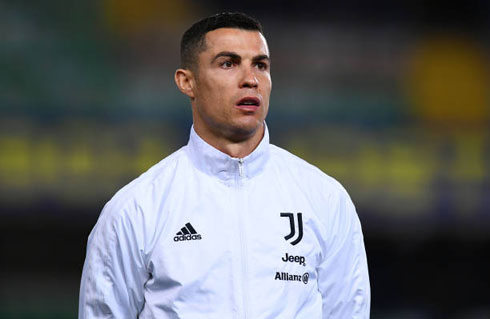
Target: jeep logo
(294, 259)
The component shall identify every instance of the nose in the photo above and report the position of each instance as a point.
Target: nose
(249, 79)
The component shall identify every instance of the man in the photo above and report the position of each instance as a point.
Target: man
(229, 226)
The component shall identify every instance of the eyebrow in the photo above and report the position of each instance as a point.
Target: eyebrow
(261, 57)
(229, 54)
(235, 56)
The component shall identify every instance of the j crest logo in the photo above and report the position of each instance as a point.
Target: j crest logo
(292, 225)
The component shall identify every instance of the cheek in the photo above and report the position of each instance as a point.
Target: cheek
(207, 93)
(266, 83)
(217, 89)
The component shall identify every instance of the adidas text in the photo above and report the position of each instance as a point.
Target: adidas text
(187, 237)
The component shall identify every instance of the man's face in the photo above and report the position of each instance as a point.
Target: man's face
(232, 85)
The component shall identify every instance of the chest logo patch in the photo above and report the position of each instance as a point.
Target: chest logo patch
(292, 232)
(187, 233)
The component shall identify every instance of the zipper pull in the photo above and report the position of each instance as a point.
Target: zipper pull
(240, 167)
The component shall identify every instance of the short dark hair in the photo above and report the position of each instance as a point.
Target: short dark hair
(193, 41)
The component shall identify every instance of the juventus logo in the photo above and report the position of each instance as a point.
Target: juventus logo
(299, 217)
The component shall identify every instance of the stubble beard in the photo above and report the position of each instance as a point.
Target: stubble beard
(235, 132)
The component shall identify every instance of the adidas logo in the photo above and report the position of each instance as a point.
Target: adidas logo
(187, 233)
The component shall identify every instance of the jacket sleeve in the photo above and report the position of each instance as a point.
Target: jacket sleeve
(343, 277)
(114, 271)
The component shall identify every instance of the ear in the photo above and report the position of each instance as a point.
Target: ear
(185, 82)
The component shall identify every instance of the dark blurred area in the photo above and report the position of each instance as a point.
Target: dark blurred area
(389, 97)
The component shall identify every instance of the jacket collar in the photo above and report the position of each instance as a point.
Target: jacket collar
(216, 163)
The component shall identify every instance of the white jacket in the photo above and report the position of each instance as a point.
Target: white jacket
(202, 235)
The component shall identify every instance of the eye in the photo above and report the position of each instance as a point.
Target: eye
(262, 66)
(227, 64)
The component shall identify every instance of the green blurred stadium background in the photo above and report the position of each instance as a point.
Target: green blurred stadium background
(390, 98)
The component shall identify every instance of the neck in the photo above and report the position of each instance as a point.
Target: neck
(232, 144)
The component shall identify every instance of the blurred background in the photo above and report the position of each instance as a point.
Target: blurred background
(389, 97)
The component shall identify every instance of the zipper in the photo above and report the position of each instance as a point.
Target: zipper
(242, 237)
(240, 167)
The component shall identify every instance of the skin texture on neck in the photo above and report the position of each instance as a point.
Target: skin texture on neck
(229, 90)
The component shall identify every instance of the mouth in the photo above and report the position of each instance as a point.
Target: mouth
(248, 103)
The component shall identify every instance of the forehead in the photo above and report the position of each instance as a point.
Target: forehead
(236, 40)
